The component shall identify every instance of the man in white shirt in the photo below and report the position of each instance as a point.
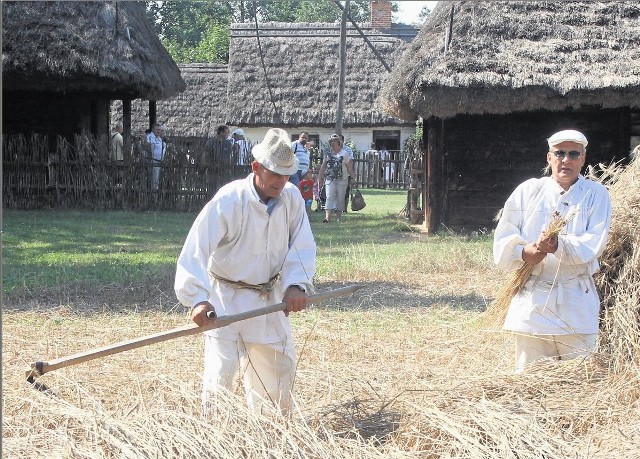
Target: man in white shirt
(302, 154)
(158, 148)
(555, 316)
(240, 148)
(249, 247)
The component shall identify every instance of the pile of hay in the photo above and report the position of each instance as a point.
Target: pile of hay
(440, 393)
(618, 281)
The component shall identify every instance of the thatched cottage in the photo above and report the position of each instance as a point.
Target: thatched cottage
(194, 113)
(297, 87)
(493, 80)
(63, 62)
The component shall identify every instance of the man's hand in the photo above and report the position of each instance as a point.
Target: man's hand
(547, 244)
(199, 313)
(531, 254)
(296, 300)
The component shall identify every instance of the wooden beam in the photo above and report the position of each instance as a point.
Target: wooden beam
(152, 113)
(126, 128)
(433, 173)
(343, 68)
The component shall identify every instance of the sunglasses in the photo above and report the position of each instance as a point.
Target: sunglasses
(573, 154)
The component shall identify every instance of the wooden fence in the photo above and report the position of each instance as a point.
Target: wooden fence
(83, 175)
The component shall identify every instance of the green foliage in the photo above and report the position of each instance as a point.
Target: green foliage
(213, 47)
(198, 31)
(414, 144)
(186, 22)
(424, 13)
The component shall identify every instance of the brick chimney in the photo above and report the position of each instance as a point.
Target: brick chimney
(380, 14)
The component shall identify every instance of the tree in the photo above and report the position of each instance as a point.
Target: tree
(198, 31)
(185, 22)
(424, 13)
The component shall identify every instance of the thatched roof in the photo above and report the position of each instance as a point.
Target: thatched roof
(195, 112)
(499, 57)
(106, 47)
(302, 70)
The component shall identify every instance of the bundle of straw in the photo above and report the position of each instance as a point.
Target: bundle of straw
(497, 310)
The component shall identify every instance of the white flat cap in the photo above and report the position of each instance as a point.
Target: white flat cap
(567, 136)
(238, 132)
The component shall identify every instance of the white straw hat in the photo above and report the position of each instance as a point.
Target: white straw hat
(567, 136)
(275, 153)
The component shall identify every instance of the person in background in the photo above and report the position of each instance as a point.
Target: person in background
(239, 148)
(251, 246)
(306, 189)
(116, 143)
(301, 151)
(158, 148)
(218, 150)
(347, 194)
(387, 167)
(555, 316)
(316, 189)
(336, 172)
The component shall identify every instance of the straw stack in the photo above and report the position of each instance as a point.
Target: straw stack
(618, 281)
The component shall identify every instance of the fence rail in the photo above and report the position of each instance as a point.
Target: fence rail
(83, 175)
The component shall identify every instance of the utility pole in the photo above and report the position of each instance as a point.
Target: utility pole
(343, 67)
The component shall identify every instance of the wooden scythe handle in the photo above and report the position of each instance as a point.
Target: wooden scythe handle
(39, 368)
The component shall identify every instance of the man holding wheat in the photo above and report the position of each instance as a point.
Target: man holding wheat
(551, 232)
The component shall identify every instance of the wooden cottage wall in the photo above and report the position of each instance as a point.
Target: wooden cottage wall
(54, 115)
(486, 157)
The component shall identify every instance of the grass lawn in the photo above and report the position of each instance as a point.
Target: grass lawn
(56, 251)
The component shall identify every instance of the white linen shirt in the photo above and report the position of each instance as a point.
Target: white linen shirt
(237, 239)
(157, 146)
(560, 297)
(302, 154)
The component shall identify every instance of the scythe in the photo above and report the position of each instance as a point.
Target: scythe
(39, 368)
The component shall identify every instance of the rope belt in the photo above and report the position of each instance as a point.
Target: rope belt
(583, 282)
(264, 288)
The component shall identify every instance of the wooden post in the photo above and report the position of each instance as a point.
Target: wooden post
(343, 68)
(433, 174)
(126, 129)
(152, 113)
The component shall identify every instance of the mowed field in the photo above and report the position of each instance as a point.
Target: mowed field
(407, 367)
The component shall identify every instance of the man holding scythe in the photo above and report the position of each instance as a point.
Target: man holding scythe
(249, 247)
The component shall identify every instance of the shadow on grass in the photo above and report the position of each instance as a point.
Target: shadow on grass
(369, 419)
(157, 294)
(376, 295)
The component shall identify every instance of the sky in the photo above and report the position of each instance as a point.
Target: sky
(410, 10)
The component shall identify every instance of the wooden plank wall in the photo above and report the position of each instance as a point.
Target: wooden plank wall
(486, 157)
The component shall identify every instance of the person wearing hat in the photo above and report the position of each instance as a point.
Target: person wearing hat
(555, 315)
(240, 147)
(250, 246)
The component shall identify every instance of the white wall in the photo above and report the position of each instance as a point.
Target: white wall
(361, 137)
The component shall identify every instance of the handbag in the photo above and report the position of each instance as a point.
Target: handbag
(357, 200)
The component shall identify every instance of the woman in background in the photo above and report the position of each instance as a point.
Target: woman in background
(336, 172)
